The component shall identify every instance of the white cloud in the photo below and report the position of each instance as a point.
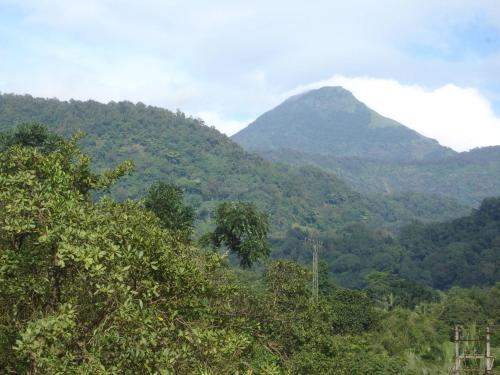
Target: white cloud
(226, 126)
(458, 117)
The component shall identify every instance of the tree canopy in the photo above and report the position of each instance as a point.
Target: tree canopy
(241, 228)
(95, 286)
(167, 202)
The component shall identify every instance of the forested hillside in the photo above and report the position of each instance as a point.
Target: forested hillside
(463, 252)
(108, 288)
(359, 231)
(330, 129)
(467, 177)
(210, 167)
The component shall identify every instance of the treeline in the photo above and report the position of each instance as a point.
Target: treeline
(108, 287)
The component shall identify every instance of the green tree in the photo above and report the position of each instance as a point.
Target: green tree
(325, 283)
(167, 202)
(102, 288)
(326, 336)
(31, 134)
(242, 229)
(390, 291)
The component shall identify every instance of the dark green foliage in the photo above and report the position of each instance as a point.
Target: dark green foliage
(102, 288)
(167, 202)
(354, 311)
(241, 228)
(31, 134)
(464, 252)
(325, 283)
(391, 291)
(210, 168)
(476, 305)
(350, 253)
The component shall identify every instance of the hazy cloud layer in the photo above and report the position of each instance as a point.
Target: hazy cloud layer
(229, 61)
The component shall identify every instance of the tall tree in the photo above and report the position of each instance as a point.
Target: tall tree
(167, 202)
(242, 229)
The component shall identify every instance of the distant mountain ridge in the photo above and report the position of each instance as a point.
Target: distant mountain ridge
(375, 154)
(332, 121)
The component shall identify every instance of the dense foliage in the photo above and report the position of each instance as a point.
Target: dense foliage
(31, 135)
(167, 202)
(463, 252)
(467, 177)
(103, 287)
(330, 129)
(210, 168)
(242, 229)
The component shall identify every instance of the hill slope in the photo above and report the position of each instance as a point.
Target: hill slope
(463, 252)
(210, 167)
(330, 129)
(467, 177)
(331, 120)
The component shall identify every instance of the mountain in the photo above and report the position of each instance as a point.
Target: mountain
(360, 230)
(330, 129)
(210, 167)
(332, 121)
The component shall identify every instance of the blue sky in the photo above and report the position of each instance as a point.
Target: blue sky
(229, 61)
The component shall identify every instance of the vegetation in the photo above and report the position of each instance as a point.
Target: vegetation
(31, 135)
(331, 121)
(467, 177)
(242, 229)
(171, 149)
(328, 128)
(105, 287)
(167, 202)
(210, 168)
(464, 252)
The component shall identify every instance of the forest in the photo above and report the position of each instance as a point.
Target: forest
(91, 284)
(210, 168)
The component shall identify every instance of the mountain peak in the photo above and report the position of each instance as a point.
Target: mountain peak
(330, 120)
(325, 92)
(327, 98)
